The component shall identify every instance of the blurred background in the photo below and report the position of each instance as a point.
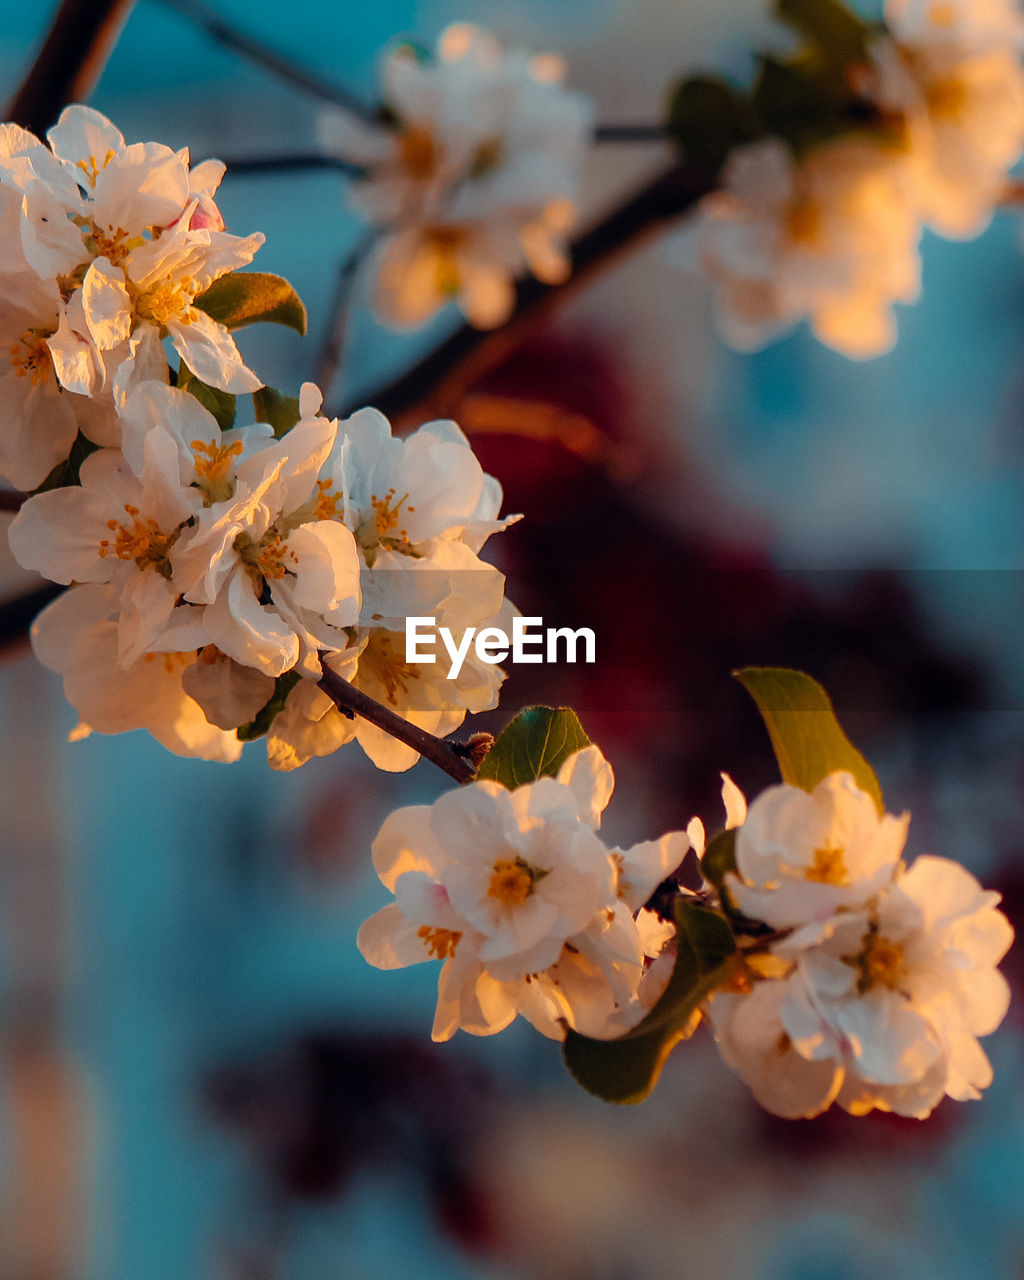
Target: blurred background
(199, 1076)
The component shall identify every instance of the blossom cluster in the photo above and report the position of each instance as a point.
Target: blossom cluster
(213, 571)
(527, 908)
(470, 176)
(829, 232)
(856, 979)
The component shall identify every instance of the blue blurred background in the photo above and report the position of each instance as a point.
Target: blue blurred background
(200, 1076)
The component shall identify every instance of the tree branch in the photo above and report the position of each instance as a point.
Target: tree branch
(291, 163)
(349, 699)
(436, 383)
(70, 61)
(207, 20)
(16, 615)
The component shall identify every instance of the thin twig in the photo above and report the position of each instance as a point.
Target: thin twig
(331, 356)
(16, 615)
(211, 24)
(291, 163)
(68, 65)
(435, 385)
(350, 699)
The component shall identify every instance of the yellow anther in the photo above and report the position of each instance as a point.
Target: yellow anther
(214, 464)
(91, 169)
(879, 962)
(140, 540)
(329, 506)
(168, 300)
(439, 942)
(30, 356)
(384, 661)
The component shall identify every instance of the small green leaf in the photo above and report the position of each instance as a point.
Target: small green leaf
(707, 118)
(265, 716)
(220, 403)
(808, 740)
(627, 1069)
(249, 297)
(281, 411)
(536, 744)
(837, 35)
(719, 859)
(65, 473)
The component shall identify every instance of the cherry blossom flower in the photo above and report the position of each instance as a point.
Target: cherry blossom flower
(832, 239)
(884, 1009)
(522, 902)
(802, 856)
(473, 178)
(130, 239)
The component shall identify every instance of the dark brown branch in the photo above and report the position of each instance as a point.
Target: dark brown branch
(350, 699)
(70, 61)
(630, 133)
(291, 163)
(211, 24)
(435, 385)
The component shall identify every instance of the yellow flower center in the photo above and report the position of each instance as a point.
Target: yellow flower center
(112, 243)
(511, 882)
(168, 300)
(946, 98)
(140, 540)
(380, 529)
(439, 942)
(328, 505)
(829, 867)
(30, 356)
(214, 465)
(418, 152)
(879, 962)
(266, 559)
(383, 662)
(172, 662)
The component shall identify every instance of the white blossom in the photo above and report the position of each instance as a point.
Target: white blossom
(473, 178)
(521, 900)
(831, 240)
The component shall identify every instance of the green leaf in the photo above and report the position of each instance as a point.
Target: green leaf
(281, 411)
(707, 118)
(249, 297)
(220, 403)
(808, 740)
(265, 716)
(65, 473)
(534, 745)
(627, 1069)
(837, 35)
(719, 859)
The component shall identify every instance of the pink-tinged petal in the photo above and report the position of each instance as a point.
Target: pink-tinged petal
(140, 359)
(916, 1100)
(83, 134)
(204, 178)
(386, 752)
(984, 997)
(145, 185)
(969, 1070)
(525, 943)
(108, 308)
(735, 803)
(39, 428)
(891, 1042)
(404, 844)
(58, 533)
(209, 350)
(590, 778)
(225, 253)
(151, 404)
(389, 941)
(77, 611)
(425, 902)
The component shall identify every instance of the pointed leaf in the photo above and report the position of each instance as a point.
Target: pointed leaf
(220, 403)
(279, 410)
(808, 740)
(627, 1069)
(249, 297)
(536, 744)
